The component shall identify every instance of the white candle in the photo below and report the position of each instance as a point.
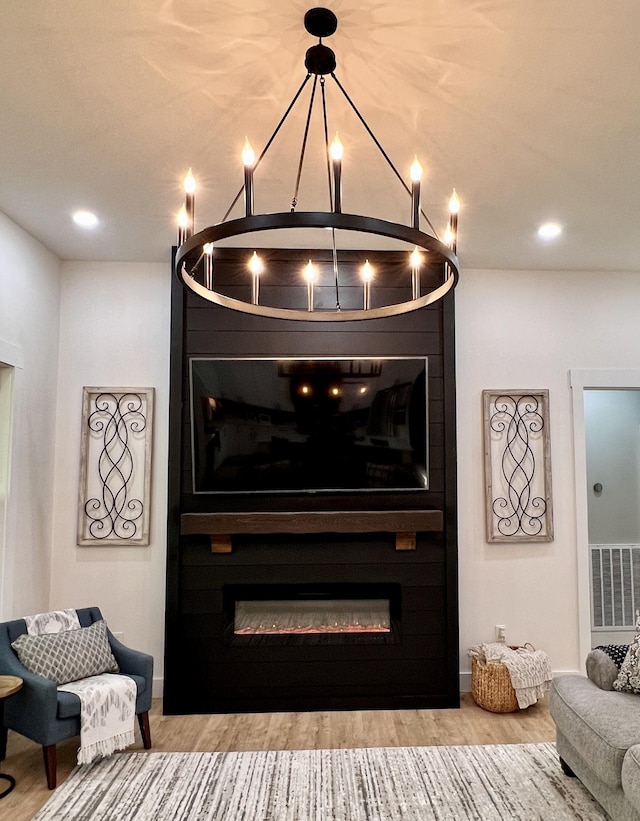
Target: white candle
(248, 160)
(454, 209)
(337, 150)
(310, 274)
(189, 200)
(183, 225)
(256, 266)
(366, 272)
(208, 265)
(416, 261)
(416, 175)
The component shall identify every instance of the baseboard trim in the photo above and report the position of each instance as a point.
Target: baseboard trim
(465, 681)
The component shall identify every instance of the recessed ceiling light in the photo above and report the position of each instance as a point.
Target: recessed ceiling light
(549, 230)
(85, 219)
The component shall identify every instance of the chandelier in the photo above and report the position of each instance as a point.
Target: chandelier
(196, 255)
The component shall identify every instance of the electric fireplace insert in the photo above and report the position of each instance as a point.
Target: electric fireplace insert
(312, 614)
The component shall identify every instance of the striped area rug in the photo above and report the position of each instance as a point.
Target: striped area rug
(518, 782)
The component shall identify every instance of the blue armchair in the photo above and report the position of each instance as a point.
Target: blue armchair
(45, 715)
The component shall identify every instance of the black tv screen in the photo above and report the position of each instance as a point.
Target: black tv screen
(308, 425)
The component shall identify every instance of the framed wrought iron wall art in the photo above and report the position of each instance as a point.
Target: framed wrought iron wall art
(517, 466)
(115, 466)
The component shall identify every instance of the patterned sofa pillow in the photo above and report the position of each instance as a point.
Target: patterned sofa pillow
(68, 656)
(628, 680)
(617, 652)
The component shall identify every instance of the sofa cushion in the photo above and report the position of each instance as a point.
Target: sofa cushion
(601, 724)
(601, 669)
(631, 776)
(69, 703)
(68, 656)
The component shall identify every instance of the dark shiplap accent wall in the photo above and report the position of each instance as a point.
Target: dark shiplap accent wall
(421, 669)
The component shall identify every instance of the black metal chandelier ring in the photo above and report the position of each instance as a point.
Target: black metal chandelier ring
(190, 253)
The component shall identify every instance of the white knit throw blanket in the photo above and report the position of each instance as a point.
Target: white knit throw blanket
(107, 714)
(56, 621)
(529, 670)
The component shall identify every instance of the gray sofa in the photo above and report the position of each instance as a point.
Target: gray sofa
(598, 740)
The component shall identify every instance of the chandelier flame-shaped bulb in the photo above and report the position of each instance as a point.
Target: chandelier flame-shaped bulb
(207, 250)
(189, 183)
(416, 259)
(310, 272)
(336, 149)
(183, 217)
(366, 272)
(256, 265)
(454, 203)
(415, 172)
(248, 154)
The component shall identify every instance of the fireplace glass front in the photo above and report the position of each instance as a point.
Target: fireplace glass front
(325, 613)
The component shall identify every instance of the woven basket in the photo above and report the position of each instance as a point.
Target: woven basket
(491, 686)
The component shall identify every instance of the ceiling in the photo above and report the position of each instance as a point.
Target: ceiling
(530, 109)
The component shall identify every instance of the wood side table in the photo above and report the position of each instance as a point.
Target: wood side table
(8, 686)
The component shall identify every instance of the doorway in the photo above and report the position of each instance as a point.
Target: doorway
(606, 432)
(612, 431)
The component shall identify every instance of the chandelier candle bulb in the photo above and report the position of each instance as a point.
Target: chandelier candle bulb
(454, 209)
(336, 151)
(367, 275)
(208, 265)
(449, 235)
(183, 223)
(310, 274)
(256, 267)
(189, 201)
(248, 160)
(416, 175)
(416, 262)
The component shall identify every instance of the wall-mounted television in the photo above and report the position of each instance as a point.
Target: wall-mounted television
(309, 425)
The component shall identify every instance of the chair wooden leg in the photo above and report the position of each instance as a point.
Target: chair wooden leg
(3, 742)
(50, 765)
(145, 730)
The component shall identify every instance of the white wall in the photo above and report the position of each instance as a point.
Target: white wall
(114, 332)
(29, 299)
(526, 330)
(514, 330)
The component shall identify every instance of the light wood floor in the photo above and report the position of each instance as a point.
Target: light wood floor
(284, 731)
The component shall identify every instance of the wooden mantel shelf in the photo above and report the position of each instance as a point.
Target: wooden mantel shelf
(404, 523)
